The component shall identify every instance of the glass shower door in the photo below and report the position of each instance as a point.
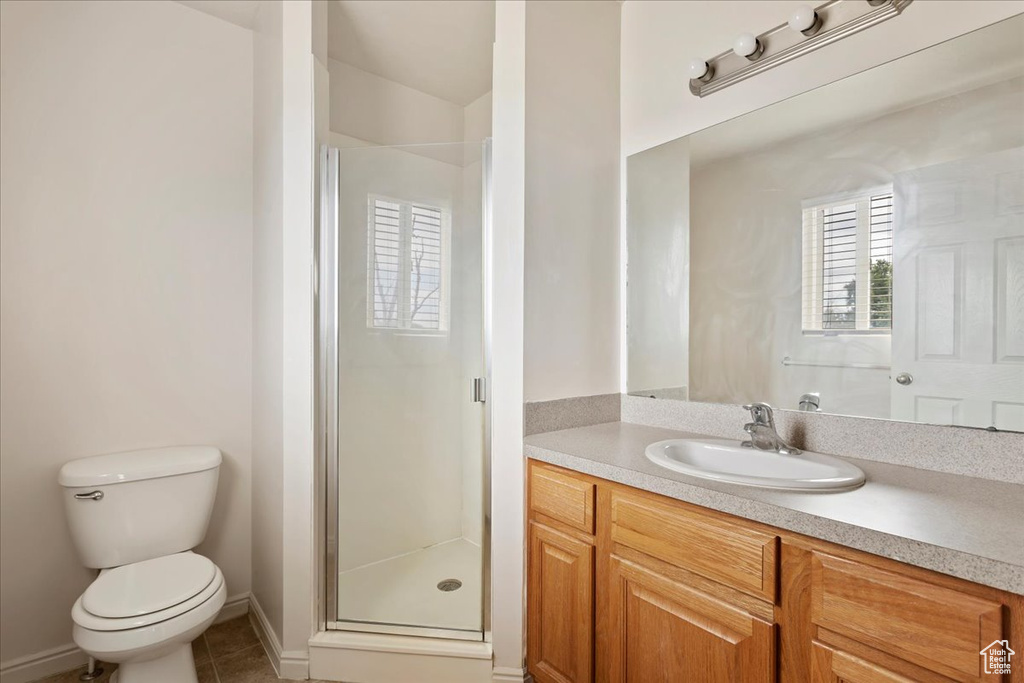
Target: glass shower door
(408, 499)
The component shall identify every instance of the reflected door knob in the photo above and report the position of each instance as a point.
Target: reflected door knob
(904, 378)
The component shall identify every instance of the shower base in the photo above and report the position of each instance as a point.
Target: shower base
(404, 590)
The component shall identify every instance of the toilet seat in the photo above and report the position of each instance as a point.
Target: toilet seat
(148, 586)
(148, 592)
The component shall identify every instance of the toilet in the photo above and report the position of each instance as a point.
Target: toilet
(136, 516)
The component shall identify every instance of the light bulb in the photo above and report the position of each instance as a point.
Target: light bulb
(699, 69)
(746, 45)
(805, 20)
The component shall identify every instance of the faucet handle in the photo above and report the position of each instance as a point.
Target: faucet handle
(761, 413)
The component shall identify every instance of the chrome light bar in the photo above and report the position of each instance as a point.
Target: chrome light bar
(832, 21)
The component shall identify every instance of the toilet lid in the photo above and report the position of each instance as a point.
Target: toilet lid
(148, 586)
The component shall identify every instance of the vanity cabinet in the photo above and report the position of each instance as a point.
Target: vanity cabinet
(628, 586)
(560, 606)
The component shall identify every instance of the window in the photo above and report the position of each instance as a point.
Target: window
(847, 263)
(407, 269)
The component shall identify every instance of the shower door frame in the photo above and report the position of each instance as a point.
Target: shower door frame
(326, 387)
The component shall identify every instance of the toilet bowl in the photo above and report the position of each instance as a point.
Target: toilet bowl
(136, 516)
(144, 616)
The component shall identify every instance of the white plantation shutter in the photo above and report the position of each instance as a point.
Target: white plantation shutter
(425, 268)
(839, 267)
(881, 251)
(407, 282)
(385, 263)
(847, 263)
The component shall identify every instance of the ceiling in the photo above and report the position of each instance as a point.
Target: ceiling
(239, 12)
(440, 47)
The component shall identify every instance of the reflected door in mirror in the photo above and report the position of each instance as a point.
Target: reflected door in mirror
(958, 327)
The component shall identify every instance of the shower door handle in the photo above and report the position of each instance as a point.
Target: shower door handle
(479, 390)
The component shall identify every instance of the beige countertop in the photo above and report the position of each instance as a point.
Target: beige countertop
(962, 526)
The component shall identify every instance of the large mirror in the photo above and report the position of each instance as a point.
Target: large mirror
(857, 249)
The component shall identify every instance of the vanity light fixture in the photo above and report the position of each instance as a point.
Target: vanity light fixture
(748, 46)
(807, 30)
(805, 20)
(701, 71)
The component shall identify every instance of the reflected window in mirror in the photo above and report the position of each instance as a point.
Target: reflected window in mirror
(847, 263)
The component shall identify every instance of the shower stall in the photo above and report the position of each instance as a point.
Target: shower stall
(402, 372)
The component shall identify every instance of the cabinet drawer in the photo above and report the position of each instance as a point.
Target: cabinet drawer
(937, 628)
(563, 498)
(742, 558)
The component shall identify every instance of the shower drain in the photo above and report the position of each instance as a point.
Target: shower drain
(449, 585)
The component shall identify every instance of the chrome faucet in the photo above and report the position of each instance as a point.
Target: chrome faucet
(762, 431)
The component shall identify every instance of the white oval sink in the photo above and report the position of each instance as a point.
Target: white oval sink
(724, 460)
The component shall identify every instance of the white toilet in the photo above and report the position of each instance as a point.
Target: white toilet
(136, 516)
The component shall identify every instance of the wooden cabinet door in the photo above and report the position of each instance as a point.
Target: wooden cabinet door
(662, 631)
(560, 607)
(835, 666)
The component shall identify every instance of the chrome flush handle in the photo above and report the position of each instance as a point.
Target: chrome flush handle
(92, 495)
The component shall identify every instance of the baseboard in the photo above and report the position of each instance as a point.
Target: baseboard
(266, 634)
(507, 674)
(42, 664)
(289, 664)
(67, 657)
(294, 665)
(234, 607)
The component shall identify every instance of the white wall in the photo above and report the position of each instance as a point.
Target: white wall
(125, 219)
(476, 119)
(284, 553)
(548, 82)
(296, 468)
(572, 191)
(384, 112)
(506, 395)
(267, 314)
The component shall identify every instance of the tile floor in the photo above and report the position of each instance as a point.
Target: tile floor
(229, 652)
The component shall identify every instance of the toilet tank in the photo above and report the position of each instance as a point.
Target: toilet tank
(133, 506)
